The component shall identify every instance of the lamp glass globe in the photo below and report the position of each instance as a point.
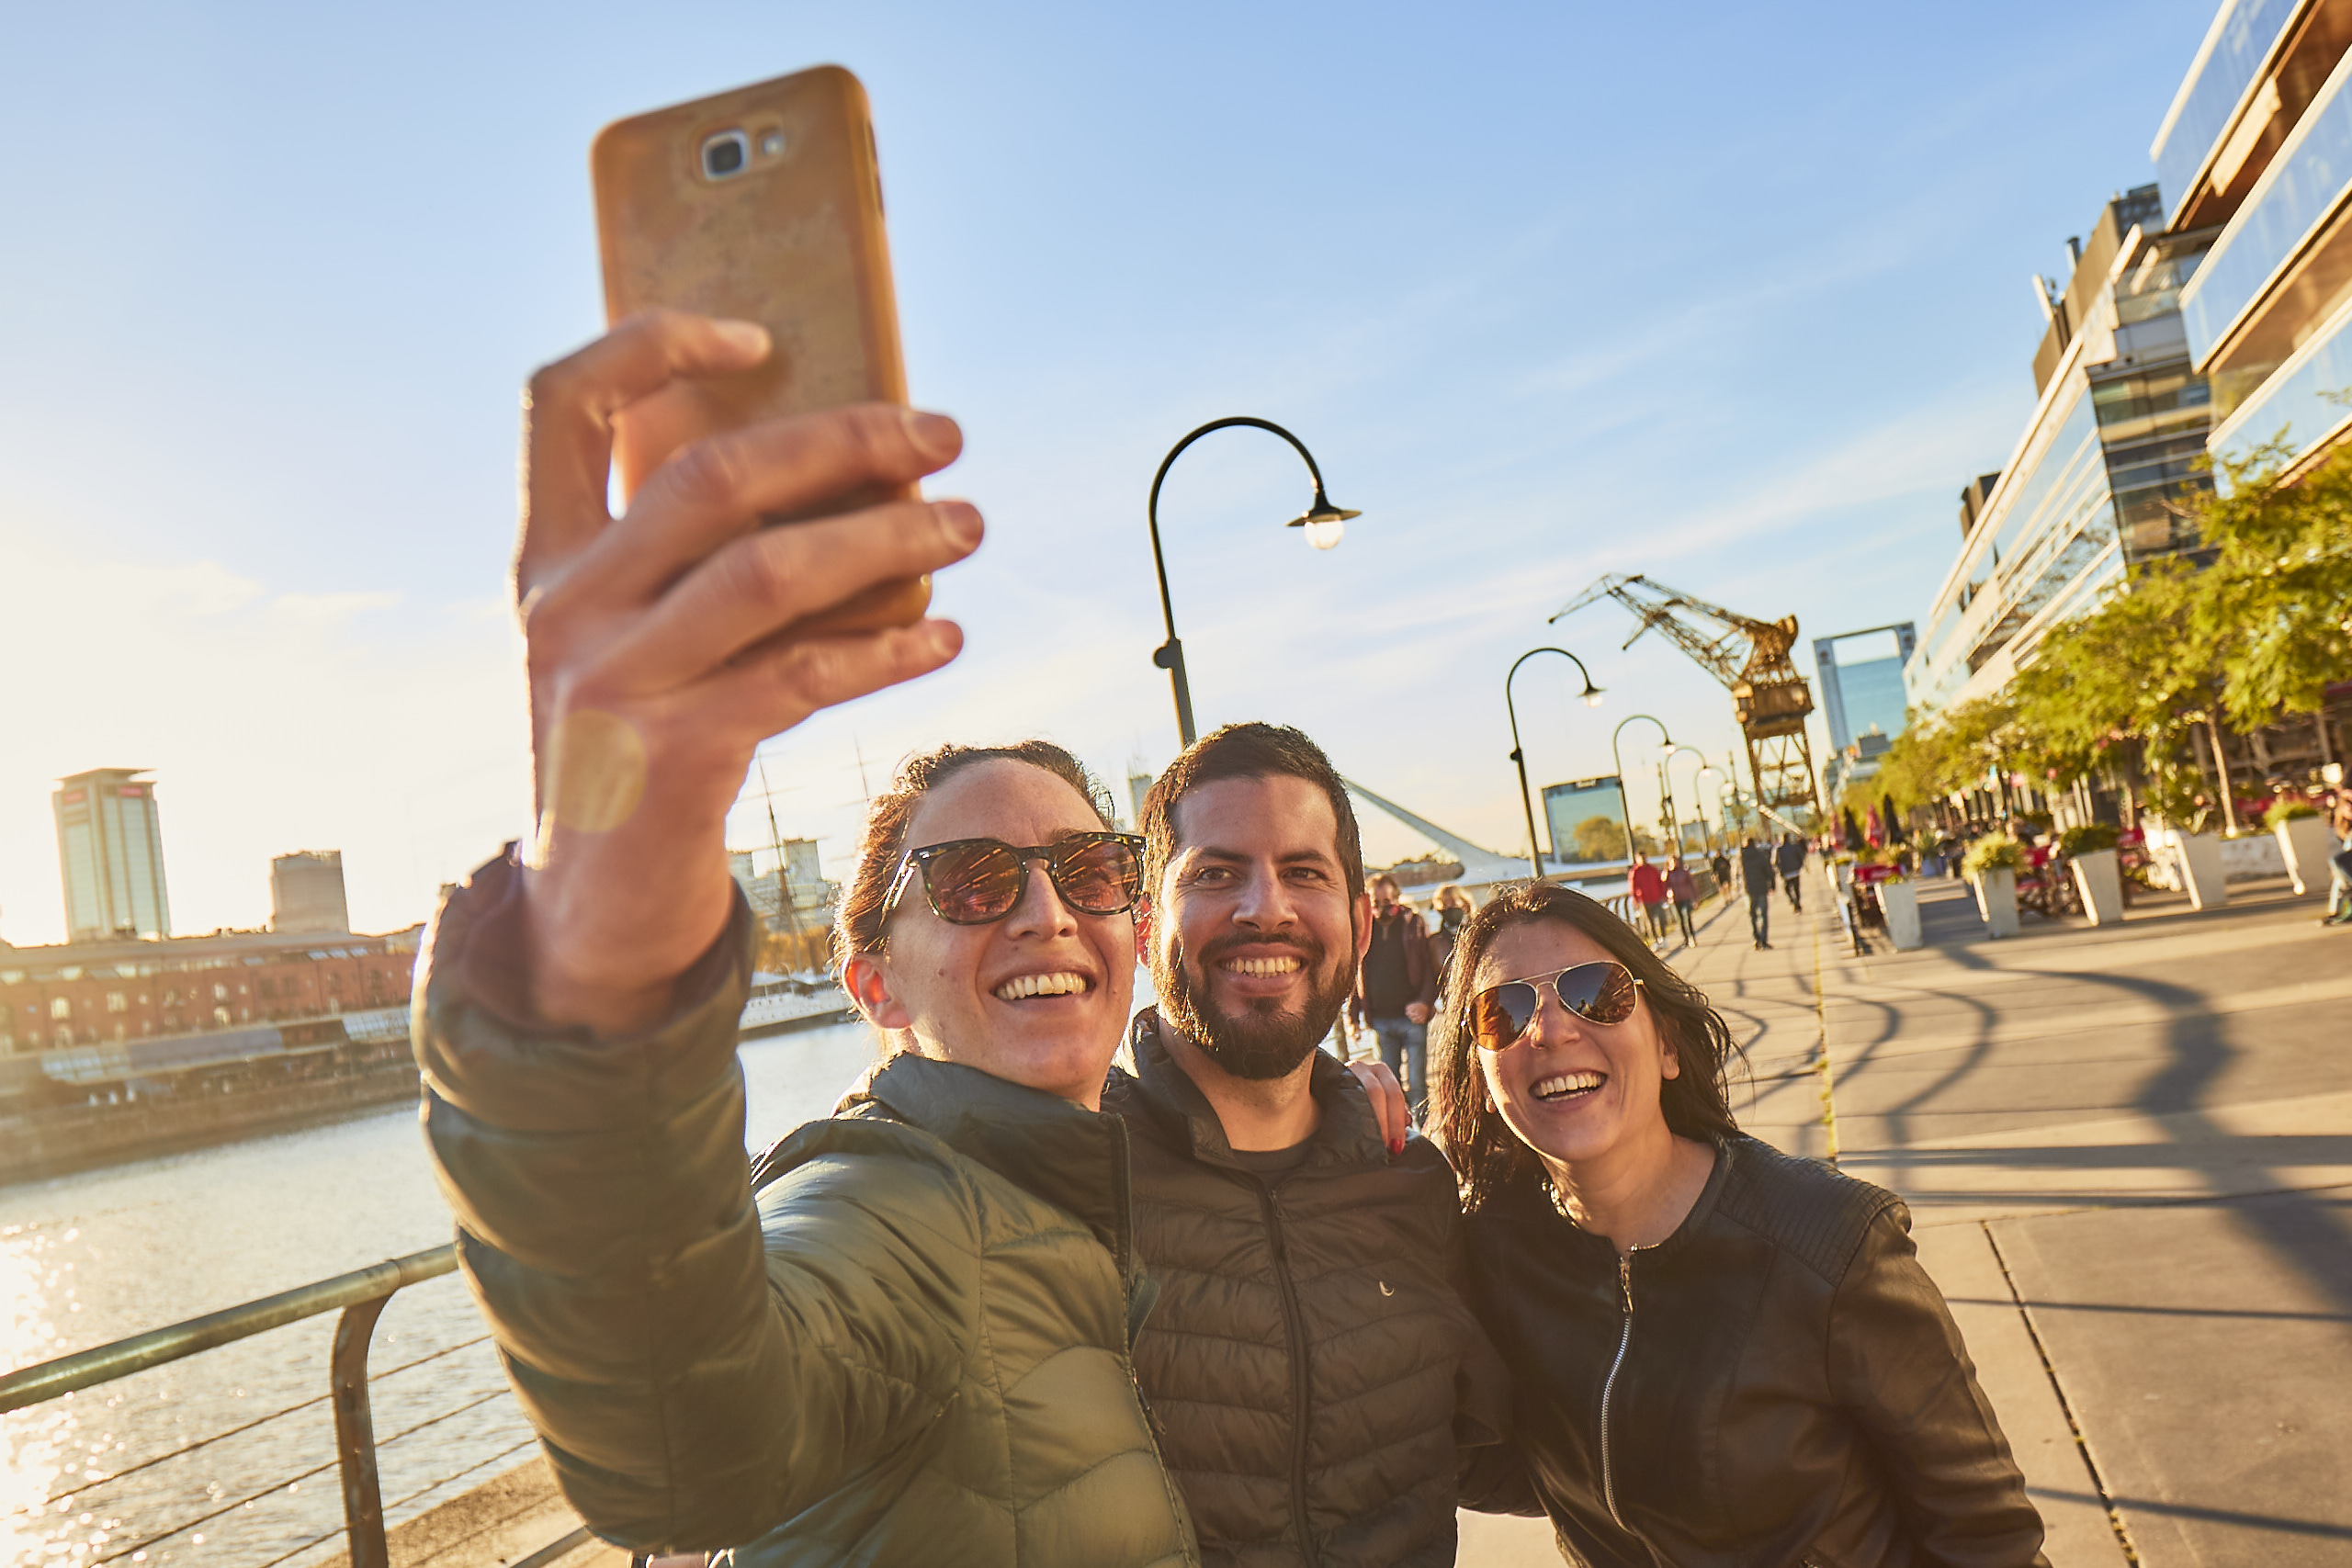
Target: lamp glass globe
(1324, 533)
(1592, 699)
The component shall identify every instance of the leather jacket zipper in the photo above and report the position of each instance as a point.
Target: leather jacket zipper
(1609, 1388)
(1295, 1321)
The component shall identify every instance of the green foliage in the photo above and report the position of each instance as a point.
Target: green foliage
(2135, 667)
(2258, 634)
(2286, 808)
(1994, 851)
(1604, 838)
(2089, 839)
(2276, 607)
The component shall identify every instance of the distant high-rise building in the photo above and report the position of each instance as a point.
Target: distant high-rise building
(306, 892)
(1862, 696)
(1861, 681)
(110, 852)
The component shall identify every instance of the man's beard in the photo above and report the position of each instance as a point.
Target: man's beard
(1260, 1042)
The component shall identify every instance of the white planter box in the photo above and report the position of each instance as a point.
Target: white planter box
(1901, 902)
(2197, 863)
(2256, 855)
(2100, 881)
(2306, 843)
(1996, 900)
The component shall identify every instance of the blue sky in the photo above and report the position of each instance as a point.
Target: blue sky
(1731, 294)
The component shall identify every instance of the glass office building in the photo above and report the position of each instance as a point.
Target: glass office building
(2094, 484)
(1862, 696)
(2258, 146)
(110, 847)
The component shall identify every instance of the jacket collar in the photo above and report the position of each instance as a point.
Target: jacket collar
(1072, 1158)
(1346, 1133)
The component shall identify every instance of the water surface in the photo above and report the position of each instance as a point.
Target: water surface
(99, 1256)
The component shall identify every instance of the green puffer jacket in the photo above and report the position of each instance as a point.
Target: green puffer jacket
(911, 1347)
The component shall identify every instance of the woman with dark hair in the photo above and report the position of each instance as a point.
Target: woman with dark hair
(1727, 1356)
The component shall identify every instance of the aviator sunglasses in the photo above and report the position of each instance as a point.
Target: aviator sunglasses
(1599, 992)
(972, 882)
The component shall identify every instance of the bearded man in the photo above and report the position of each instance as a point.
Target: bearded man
(1312, 1372)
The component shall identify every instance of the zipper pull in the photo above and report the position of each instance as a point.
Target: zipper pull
(1626, 1280)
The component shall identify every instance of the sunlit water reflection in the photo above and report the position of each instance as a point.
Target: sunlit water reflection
(89, 1258)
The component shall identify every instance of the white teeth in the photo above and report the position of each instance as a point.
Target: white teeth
(1061, 984)
(1262, 965)
(1568, 1083)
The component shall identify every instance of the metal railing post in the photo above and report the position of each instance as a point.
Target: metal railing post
(354, 1435)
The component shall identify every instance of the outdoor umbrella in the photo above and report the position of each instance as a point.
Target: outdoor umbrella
(1853, 830)
(1895, 833)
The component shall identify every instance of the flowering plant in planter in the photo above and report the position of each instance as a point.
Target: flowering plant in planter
(1993, 852)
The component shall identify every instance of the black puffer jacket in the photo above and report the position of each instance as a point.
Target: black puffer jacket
(1777, 1383)
(1309, 1359)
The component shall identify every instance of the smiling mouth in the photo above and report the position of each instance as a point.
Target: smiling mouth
(1568, 1085)
(1286, 965)
(1022, 988)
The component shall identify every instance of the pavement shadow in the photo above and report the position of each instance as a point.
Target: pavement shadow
(2302, 1228)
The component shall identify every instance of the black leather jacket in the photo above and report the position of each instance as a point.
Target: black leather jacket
(1777, 1383)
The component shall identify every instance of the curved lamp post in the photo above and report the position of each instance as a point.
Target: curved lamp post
(1624, 807)
(1324, 523)
(1666, 771)
(1591, 695)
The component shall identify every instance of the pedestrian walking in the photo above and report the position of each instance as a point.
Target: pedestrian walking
(1684, 891)
(1756, 881)
(1790, 861)
(1649, 892)
(1796, 1389)
(1396, 990)
(2339, 878)
(1720, 864)
(1453, 909)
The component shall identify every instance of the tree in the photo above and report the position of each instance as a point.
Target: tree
(2142, 665)
(1598, 839)
(2276, 606)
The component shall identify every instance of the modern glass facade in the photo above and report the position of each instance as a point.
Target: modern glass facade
(110, 849)
(2242, 38)
(2302, 404)
(2303, 187)
(2095, 485)
(1861, 682)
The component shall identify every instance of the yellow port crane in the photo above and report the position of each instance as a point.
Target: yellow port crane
(1749, 655)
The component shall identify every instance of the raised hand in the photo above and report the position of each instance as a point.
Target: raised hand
(660, 646)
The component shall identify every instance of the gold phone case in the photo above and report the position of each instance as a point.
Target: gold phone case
(784, 230)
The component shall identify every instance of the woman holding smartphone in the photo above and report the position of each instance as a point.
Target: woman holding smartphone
(1727, 1356)
(906, 1340)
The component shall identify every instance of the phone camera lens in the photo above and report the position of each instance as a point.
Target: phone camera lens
(724, 154)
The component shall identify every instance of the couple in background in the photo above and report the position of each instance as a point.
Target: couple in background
(1009, 1307)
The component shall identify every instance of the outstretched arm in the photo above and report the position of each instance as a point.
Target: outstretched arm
(579, 1003)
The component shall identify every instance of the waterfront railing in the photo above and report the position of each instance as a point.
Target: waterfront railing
(360, 1296)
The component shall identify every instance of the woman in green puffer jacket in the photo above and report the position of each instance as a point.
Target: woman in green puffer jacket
(907, 1339)
(907, 1342)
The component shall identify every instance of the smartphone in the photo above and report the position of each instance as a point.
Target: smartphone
(764, 204)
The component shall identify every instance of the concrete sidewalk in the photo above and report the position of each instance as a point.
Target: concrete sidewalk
(2127, 1152)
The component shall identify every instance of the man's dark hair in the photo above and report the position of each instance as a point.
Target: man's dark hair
(1245, 751)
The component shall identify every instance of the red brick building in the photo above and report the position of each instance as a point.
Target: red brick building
(96, 993)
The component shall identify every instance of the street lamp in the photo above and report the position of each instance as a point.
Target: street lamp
(1624, 807)
(1591, 695)
(1325, 524)
(1705, 767)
